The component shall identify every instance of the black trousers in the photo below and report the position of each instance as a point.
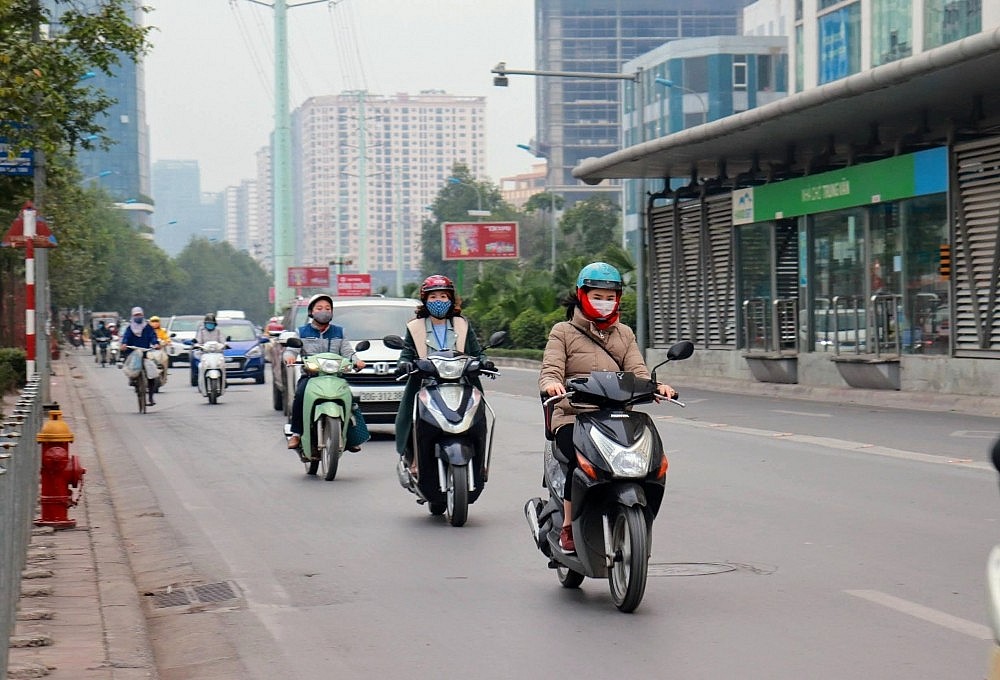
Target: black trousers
(564, 441)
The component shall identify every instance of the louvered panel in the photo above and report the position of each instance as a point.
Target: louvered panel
(662, 286)
(720, 277)
(976, 247)
(691, 292)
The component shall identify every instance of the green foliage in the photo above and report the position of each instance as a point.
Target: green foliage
(533, 354)
(528, 330)
(13, 368)
(220, 277)
(591, 226)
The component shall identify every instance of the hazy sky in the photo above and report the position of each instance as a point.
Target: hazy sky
(210, 74)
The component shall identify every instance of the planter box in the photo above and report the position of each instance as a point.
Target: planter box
(868, 372)
(773, 368)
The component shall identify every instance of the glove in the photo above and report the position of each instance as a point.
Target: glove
(489, 365)
(403, 367)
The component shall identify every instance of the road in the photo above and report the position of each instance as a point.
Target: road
(798, 539)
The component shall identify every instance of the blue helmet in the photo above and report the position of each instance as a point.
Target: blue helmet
(599, 275)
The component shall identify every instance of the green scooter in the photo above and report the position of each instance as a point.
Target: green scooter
(326, 410)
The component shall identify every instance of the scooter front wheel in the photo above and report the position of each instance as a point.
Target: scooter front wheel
(333, 446)
(458, 495)
(630, 557)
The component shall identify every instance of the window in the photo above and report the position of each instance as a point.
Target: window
(739, 71)
(891, 30)
(840, 43)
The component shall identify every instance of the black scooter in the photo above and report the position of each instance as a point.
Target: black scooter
(452, 437)
(617, 486)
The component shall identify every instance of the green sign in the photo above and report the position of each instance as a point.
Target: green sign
(891, 179)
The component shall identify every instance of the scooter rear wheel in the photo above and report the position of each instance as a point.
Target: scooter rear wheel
(569, 578)
(630, 557)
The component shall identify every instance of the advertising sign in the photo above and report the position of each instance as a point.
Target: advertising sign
(479, 240)
(351, 285)
(308, 277)
(21, 165)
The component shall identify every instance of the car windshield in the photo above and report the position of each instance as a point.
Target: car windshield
(182, 324)
(241, 332)
(368, 322)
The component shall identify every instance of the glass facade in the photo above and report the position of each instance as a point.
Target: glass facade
(892, 33)
(840, 43)
(949, 20)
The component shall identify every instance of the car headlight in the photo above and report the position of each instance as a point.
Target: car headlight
(254, 352)
(624, 462)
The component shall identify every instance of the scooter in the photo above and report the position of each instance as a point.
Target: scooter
(451, 434)
(326, 409)
(212, 370)
(114, 349)
(993, 588)
(617, 487)
(102, 350)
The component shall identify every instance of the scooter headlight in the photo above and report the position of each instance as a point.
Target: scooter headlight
(449, 369)
(254, 352)
(625, 462)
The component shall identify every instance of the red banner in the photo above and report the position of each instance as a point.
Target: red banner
(351, 285)
(308, 277)
(479, 240)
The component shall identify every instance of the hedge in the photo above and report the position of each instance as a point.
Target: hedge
(13, 369)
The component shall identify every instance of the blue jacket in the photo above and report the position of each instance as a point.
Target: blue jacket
(330, 340)
(146, 340)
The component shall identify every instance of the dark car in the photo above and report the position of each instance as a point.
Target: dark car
(245, 354)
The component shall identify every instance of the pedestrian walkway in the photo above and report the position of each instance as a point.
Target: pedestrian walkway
(80, 616)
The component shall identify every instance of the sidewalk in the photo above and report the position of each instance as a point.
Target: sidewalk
(80, 616)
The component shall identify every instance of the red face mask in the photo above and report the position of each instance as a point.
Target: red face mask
(602, 320)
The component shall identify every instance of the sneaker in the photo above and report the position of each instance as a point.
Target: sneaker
(294, 441)
(566, 540)
(353, 449)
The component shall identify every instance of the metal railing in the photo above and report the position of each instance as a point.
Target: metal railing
(846, 316)
(771, 328)
(20, 462)
(886, 323)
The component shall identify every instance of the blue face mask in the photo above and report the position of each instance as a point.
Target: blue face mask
(137, 319)
(210, 326)
(438, 308)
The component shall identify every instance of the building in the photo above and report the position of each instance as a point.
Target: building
(241, 214)
(578, 118)
(124, 169)
(846, 235)
(262, 243)
(365, 166)
(183, 211)
(517, 189)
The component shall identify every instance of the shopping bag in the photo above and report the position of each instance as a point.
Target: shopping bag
(357, 429)
(133, 364)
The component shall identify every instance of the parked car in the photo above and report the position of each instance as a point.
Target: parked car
(181, 328)
(363, 318)
(850, 332)
(244, 352)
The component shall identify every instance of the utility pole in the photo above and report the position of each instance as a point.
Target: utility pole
(362, 185)
(42, 325)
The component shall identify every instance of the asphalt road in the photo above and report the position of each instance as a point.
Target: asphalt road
(797, 540)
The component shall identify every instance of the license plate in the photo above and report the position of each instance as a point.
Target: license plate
(232, 364)
(380, 396)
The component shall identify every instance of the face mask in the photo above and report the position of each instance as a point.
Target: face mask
(604, 307)
(322, 317)
(438, 308)
(137, 319)
(210, 326)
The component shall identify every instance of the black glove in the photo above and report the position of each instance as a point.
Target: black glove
(489, 365)
(403, 367)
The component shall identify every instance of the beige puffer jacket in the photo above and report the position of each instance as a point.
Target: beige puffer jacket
(572, 351)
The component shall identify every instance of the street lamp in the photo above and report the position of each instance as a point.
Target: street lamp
(552, 199)
(102, 173)
(501, 72)
(478, 212)
(671, 84)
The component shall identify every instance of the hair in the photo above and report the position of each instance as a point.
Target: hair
(456, 307)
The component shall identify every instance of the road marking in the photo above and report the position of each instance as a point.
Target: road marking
(974, 434)
(976, 630)
(802, 413)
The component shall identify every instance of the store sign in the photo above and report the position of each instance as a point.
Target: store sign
(308, 277)
(892, 179)
(479, 240)
(10, 164)
(352, 285)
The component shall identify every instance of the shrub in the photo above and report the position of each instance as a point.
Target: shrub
(13, 368)
(534, 354)
(529, 330)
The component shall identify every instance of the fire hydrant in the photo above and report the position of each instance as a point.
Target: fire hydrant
(60, 471)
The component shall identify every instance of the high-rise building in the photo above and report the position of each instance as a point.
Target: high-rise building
(262, 240)
(183, 211)
(366, 165)
(241, 215)
(124, 169)
(578, 118)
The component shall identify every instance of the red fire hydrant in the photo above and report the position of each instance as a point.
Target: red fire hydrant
(60, 471)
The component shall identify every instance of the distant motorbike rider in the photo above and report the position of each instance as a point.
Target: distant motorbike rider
(139, 333)
(319, 335)
(208, 331)
(164, 337)
(439, 325)
(101, 332)
(592, 339)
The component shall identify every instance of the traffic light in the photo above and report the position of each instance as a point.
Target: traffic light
(944, 260)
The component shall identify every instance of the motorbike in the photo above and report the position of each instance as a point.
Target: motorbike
(76, 338)
(102, 350)
(452, 431)
(212, 370)
(326, 409)
(617, 487)
(114, 349)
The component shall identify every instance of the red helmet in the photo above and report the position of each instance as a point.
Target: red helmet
(436, 282)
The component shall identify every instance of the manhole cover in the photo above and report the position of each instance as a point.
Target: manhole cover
(178, 596)
(689, 568)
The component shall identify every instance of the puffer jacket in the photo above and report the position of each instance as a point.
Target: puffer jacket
(574, 350)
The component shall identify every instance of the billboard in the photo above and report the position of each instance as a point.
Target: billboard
(479, 241)
(308, 277)
(350, 285)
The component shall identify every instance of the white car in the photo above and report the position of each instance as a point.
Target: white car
(181, 328)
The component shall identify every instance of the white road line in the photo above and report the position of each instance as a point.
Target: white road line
(802, 413)
(978, 631)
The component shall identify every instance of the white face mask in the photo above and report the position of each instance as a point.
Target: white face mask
(604, 307)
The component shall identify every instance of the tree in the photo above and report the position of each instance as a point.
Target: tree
(592, 225)
(221, 277)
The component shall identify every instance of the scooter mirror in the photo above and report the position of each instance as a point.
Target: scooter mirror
(681, 350)
(497, 339)
(393, 342)
(294, 342)
(362, 346)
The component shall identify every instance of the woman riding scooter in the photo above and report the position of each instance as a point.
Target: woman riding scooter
(317, 336)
